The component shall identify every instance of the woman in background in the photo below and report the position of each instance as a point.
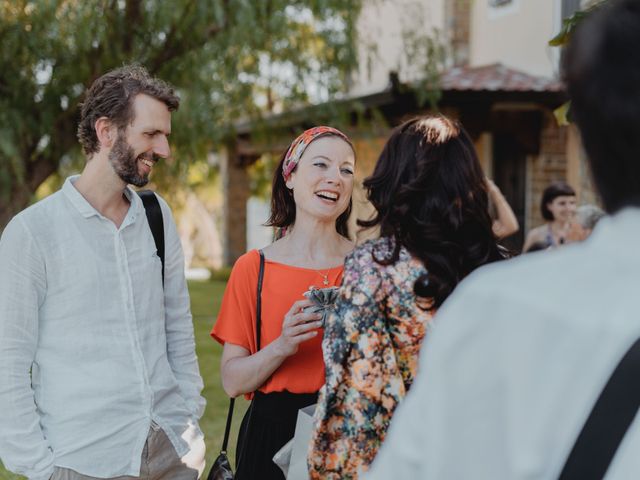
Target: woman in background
(430, 195)
(558, 208)
(311, 199)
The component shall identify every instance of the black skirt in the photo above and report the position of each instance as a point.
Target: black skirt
(269, 423)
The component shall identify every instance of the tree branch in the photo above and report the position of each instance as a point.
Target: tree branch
(172, 48)
(132, 18)
(39, 171)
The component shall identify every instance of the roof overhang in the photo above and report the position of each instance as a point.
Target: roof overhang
(473, 91)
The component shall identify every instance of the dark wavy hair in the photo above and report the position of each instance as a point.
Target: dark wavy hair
(283, 207)
(553, 191)
(430, 195)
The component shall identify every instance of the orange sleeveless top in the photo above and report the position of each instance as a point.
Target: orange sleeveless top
(282, 285)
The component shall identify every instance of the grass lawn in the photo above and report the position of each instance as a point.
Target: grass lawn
(205, 302)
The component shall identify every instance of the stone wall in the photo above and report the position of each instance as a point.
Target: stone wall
(549, 166)
(368, 150)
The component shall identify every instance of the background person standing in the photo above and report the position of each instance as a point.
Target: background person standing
(558, 208)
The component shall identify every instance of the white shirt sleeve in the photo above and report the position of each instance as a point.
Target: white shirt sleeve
(23, 448)
(178, 320)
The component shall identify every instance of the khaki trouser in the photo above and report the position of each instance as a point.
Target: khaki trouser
(159, 462)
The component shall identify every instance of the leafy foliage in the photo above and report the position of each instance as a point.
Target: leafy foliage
(229, 59)
(569, 24)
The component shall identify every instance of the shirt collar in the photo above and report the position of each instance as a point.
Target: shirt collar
(86, 209)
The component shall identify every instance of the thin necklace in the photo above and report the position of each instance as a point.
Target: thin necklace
(325, 277)
(559, 234)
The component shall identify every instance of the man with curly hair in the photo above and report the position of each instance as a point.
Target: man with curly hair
(99, 376)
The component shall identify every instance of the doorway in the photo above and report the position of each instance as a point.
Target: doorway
(510, 175)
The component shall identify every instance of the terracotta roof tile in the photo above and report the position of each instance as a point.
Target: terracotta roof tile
(495, 78)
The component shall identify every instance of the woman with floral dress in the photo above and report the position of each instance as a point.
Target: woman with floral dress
(430, 195)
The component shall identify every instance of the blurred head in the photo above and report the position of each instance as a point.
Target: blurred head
(430, 195)
(601, 68)
(587, 216)
(135, 109)
(558, 202)
(314, 177)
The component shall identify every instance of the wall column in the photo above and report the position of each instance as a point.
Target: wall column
(484, 149)
(235, 190)
(458, 29)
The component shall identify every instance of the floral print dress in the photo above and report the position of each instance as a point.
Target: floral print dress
(370, 348)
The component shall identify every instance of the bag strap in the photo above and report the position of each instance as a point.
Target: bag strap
(156, 223)
(608, 422)
(259, 300)
(227, 428)
(232, 401)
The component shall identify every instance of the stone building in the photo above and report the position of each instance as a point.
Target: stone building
(499, 78)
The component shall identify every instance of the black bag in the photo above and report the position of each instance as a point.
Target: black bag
(221, 468)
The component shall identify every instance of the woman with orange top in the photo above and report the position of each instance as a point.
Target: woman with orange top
(311, 199)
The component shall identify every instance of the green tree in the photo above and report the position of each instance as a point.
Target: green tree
(229, 59)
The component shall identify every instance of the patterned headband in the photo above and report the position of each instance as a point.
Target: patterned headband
(300, 144)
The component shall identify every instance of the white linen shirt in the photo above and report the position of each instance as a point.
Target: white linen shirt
(82, 307)
(515, 362)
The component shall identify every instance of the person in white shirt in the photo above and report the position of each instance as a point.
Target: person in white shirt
(521, 351)
(98, 376)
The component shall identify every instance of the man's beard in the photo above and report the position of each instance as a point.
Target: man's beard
(125, 163)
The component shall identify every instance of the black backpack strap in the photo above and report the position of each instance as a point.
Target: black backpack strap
(156, 223)
(227, 428)
(608, 422)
